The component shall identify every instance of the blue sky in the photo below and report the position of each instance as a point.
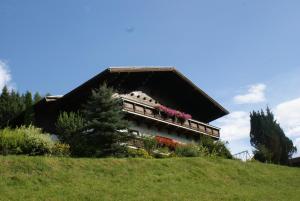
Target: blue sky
(244, 53)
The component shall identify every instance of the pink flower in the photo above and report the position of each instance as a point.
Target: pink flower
(173, 113)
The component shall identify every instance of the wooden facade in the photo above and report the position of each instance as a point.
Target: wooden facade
(149, 112)
(141, 90)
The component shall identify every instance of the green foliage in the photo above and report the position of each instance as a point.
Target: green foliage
(150, 144)
(68, 125)
(189, 150)
(69, 128)
(30, 141)
(268, 139)
(216, 148)
(162, 152)
(104, 119)
(11, 104)
(60, 149)
(137, 153)
(206, 147)
(37, 97)
(29, 112)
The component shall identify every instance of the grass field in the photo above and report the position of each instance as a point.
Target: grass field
(47, 178)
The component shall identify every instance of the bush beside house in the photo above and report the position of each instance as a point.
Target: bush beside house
(30, 141)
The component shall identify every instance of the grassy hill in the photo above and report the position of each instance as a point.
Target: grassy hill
(47, 178)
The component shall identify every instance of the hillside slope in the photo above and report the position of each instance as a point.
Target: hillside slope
(47, 178)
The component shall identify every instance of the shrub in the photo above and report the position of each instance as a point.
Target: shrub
(60, 149)
(27, 140)
(162, 152)
(215, 148)
(189, 150)
(150, 144)
(68, 124)
(137, 153)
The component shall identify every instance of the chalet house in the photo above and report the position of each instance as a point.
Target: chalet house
(158, 102)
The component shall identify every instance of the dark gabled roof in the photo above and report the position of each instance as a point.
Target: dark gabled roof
(166, 69)
(161, 82)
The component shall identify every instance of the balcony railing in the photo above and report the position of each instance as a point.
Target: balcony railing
(150, 112)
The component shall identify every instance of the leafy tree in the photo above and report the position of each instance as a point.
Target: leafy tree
(268, 139)
(104, 121)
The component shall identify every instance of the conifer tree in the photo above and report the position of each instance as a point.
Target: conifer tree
(37, 97)
(104, 121)
(29, 111)
(10, 105)
(268, 139)
(4, 100)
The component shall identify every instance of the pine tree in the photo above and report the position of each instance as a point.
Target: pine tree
(268, 139)
(29, 111)
(10, 106)
(4, 100)
(37, 97)
(104, 119)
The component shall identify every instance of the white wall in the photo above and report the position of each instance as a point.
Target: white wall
(153, 131)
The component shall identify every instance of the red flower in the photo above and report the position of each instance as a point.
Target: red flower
(166, 141)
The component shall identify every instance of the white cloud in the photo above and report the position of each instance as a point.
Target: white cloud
(235, 126)
(255, 94)
(5, 76)
(288, 115)
(297, 144)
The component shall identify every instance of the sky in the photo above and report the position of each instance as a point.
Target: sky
(243, 53)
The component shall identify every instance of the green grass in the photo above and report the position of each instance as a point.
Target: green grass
(47, 178)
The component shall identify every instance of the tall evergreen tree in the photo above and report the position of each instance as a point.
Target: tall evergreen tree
(104, 121)
(10, 106)
(4, 100)
(29, 111)
(37, 97)
(268, 139)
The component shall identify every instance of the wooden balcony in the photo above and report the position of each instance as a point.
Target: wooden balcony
(150, 112)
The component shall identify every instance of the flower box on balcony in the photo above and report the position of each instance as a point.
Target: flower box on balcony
(173, 113)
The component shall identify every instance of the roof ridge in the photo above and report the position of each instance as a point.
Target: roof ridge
(141, 68)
